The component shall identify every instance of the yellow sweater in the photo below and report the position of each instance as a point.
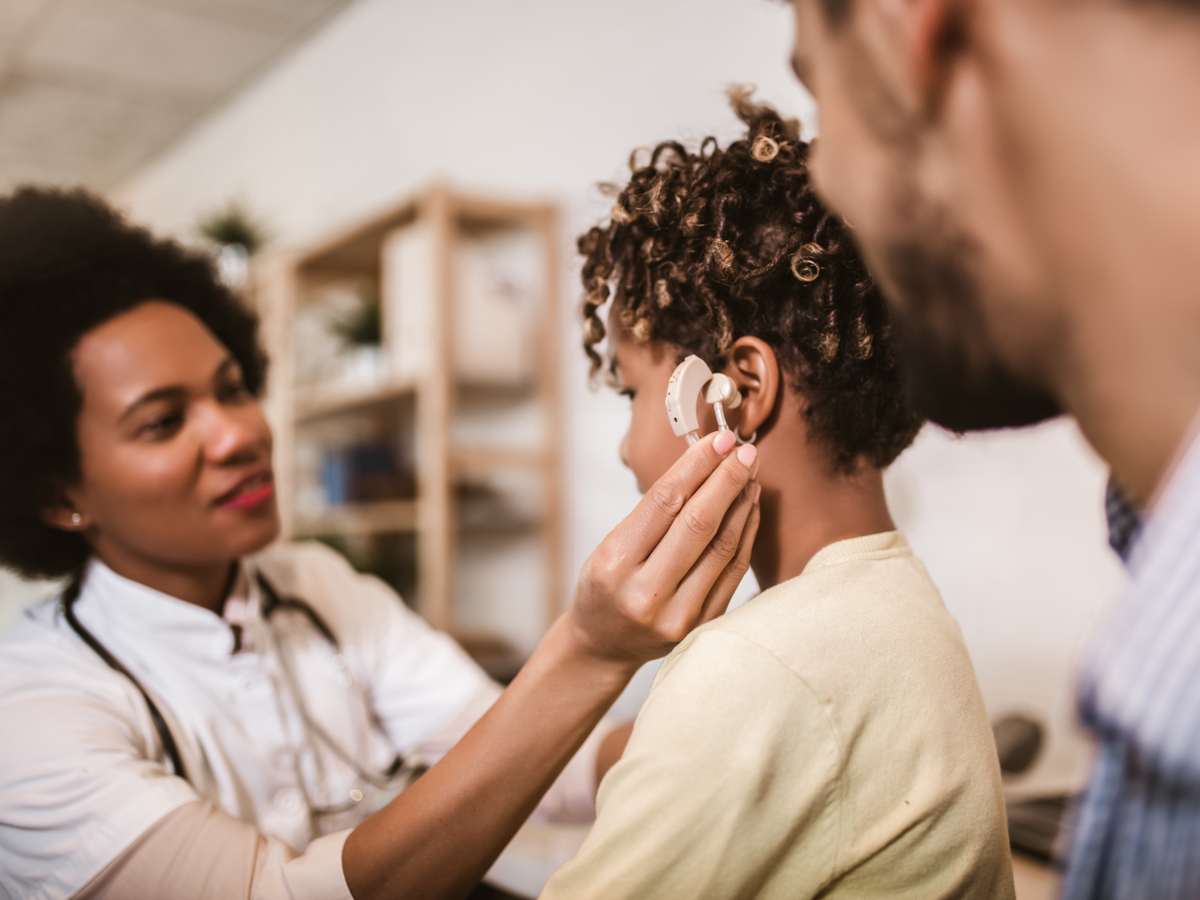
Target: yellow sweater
(827, 738)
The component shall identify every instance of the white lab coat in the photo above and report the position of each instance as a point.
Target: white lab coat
(82, 770)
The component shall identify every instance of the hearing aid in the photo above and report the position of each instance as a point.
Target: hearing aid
(683, 391)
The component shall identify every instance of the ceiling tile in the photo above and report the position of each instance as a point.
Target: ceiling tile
(60, 134)
(91, 89)
(169, 50)
(17, 16)
(285, 18)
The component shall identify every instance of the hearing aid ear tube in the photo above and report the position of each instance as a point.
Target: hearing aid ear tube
(717, 408)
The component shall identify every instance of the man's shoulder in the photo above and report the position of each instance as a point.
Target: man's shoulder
(1138, 680)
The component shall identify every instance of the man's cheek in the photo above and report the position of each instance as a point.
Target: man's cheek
(836, 167)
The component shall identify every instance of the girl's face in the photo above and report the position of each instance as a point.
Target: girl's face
(650, 446)
(175, 454)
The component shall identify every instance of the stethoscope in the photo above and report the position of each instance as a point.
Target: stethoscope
(388, 778)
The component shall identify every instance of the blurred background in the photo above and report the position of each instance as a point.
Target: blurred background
(397, 185)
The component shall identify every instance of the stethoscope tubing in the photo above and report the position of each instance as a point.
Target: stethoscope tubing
(273, 603)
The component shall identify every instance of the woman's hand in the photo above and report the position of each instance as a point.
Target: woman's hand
(675, 561)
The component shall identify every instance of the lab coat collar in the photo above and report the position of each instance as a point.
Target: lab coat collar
(120, 606)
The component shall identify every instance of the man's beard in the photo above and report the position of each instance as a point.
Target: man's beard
(954, 375)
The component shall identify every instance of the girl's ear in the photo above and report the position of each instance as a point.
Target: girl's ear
(755, 370)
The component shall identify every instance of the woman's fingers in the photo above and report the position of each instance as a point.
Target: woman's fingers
(721, 565)
(700, 521)
(639, 533)
(629, 605)
(729, 579)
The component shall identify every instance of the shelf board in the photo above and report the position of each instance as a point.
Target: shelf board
(471, 460)
(356, 250)
(363, 518)
(326, 403)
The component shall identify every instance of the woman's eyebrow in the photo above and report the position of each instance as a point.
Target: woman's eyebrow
(174, 391)
(223, 369)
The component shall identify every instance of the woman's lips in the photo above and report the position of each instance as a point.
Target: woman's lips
(251, 498)
(250, 493)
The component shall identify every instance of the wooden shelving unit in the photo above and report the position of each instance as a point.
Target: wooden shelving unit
(414, 256)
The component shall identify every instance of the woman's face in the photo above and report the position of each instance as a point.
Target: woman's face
(650, 447)
(175, 454)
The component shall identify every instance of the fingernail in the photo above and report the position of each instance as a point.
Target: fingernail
(746, 454)
(724, 442)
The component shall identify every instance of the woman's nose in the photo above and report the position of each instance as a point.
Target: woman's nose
(625, 451)
(236, 434)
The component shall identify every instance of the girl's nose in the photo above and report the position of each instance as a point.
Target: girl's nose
(625, 451)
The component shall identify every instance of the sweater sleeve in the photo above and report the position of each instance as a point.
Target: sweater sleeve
(198, 852)
(731, 757)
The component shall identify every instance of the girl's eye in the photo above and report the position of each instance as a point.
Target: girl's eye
(628, 392)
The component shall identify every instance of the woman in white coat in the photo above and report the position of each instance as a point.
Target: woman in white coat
(206, 713)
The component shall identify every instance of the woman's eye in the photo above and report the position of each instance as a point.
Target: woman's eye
(234, 390)
(162, 426)
(628, 392)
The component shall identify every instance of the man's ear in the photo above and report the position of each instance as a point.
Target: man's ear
(755, 370)
(906, 52)
(938, 33)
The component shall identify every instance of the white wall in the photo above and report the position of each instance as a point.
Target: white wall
(538, 97)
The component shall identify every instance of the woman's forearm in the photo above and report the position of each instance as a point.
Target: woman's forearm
(669, 566)
(440, 836)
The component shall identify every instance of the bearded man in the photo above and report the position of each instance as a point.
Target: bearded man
(1022, 177)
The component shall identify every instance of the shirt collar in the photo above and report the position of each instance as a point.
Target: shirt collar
(869, 546)
(1124, 521)
(122, 607)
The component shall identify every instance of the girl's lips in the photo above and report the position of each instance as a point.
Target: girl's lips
(250, 498)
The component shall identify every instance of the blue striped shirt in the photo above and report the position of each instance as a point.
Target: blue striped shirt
(1138, 832)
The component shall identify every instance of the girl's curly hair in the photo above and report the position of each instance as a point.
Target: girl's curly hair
(705, 247)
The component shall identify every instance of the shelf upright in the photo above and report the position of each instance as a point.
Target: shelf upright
(445, 469)
(435, 408)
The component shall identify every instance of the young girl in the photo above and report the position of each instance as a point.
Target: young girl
(828, 738)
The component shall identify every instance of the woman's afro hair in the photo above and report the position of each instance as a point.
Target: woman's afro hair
(705, 247)
(69, 263)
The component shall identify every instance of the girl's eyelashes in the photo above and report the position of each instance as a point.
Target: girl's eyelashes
(627, 392)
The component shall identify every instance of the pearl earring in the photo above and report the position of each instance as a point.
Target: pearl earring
(76, 519)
